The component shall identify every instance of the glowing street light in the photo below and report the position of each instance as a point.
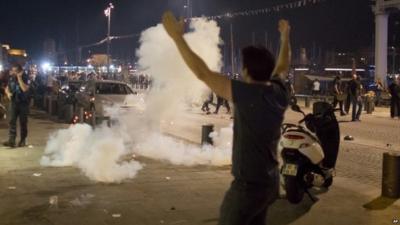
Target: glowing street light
(107, 12)
(46, 66)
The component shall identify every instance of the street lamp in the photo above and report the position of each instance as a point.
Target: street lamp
(107, 12)
(394, 60)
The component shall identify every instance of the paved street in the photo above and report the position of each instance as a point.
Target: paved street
(168, 194)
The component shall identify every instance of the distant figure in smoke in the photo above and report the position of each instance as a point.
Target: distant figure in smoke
(221, 101)
(206, 107)
(260, 103)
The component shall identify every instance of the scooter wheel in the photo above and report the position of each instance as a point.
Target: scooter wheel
(328, 182)
(294, 189)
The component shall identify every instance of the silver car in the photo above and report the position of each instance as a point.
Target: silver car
(95, 97)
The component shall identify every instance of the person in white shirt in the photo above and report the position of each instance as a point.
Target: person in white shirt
(316, 88)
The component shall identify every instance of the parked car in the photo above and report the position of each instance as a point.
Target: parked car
(66, 99)
(96, 98)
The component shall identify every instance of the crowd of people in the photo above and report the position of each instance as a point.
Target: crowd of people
(353, 95)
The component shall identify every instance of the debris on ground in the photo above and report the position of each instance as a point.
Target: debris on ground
(82, 200)
(37, 174)
(30, 146)
(168, 178)
(349, 138)
(12, 188)
(116, 215)
(172, 208)
(178, 222)
(53, 201)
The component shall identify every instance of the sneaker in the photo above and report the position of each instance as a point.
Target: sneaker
(9, 144)
(22, 143)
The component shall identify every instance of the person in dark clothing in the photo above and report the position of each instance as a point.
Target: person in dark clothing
(224, 102)
(260, 101)
(205, 107)
(355, 95)
(378, 91)
(338, 95)
(3, 84)
(292, 93)
(394, 90)
(17, 91)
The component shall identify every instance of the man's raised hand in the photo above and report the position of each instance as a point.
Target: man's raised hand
(284, 28)
(173, 27)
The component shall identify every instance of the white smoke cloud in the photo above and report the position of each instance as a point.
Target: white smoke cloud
(98, 152)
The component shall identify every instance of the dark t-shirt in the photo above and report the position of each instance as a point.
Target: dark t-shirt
(18, 95)
(259, 112)
(337, 85)
(354, 88)
(394, 90)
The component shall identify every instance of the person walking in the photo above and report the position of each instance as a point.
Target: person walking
(338, 95)
(17, 92)
(209, 100)
(221, 101)
(394, 90)
(260, 102)
(355, 96)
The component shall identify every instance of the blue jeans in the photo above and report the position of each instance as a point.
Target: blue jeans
(247, 204)
(357, 107)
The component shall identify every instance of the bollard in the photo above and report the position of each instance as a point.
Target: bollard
(49, 105)
(93, 119)
(80, 115)
(45, 102)
(68, 114)
(307, 102)
(54, 108)
(391, 175)
(205, 134)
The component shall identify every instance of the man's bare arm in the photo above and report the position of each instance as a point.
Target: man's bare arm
(21, 83)
(220, 84)
(284, 58)
(8, 93)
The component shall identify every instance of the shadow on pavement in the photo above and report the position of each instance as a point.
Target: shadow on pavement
(283, 212)
(380, 203)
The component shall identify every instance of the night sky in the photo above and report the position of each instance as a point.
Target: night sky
(334, 24)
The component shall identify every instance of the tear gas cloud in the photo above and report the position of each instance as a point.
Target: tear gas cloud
(98, 152)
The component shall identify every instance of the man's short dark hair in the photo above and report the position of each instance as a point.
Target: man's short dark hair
(17, 66)
(259, 62)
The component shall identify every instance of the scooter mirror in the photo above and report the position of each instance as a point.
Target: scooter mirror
(296, 108)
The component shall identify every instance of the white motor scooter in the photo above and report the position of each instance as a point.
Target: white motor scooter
(308, 153)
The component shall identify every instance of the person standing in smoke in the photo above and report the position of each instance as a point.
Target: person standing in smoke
(210, 99)
(260, 101)
(221, 101)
